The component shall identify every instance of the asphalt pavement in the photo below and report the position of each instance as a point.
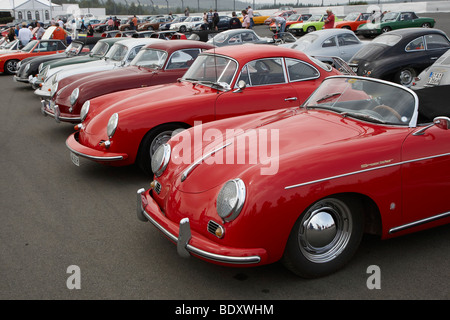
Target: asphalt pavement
(69, 232)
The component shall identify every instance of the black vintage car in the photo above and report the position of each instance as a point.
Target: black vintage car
(400, 55)
(30, 66)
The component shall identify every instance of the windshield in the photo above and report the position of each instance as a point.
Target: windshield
(390, 16)
(387, 39)
(117, 52)
(150, 58)
(100, 49)
(29, 46)
(303, 42)
(10, 44)
(74, 48)
(315, 17)
(209, 69)
(293, 17)
(366, 99)
(352, 16)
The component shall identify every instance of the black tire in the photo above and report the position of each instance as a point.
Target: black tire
(183, 29)
(325, 237)
(426, 25)
(10, 66)
(406, 76)
(150, 28)
(310, 29)
(151, 141)
(385, 29)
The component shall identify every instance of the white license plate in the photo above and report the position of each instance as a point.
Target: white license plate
(435, 78)
(75, 159)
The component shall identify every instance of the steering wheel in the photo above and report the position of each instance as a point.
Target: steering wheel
(389, 109)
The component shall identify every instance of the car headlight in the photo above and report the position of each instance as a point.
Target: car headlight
(231, 199)
(74, 96)
(54, 88)
(112, 125)
(84, 110)
(160, 159)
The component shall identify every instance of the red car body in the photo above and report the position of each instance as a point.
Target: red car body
(148, 115)
(345, 166)
(136, 75)
(34, 48)
(355, 21)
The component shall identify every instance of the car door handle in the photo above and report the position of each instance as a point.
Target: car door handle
(434, 58)
(291, 99)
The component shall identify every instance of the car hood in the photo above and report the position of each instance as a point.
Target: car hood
(93, 66)
(97, 83)
(292, 139)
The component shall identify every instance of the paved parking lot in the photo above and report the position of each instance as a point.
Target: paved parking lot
(57, 218)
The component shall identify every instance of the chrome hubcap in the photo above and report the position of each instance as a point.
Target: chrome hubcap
(325, 230)
(160, 139)
(406, 77)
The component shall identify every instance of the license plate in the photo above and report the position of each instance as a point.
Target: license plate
(435, 78)
(75, 159)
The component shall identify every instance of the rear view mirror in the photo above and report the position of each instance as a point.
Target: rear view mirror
(442, 122)
(241, 86)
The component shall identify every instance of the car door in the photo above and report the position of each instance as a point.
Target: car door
(267, 88)
(426, 175)
(436, 46)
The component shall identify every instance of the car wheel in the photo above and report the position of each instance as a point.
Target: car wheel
(150, 28)
(426, 25)
(406, 76)
(325, 237)
(310, 29)
(152, 140)
(10, 66)
(183, 29)
(385, 29)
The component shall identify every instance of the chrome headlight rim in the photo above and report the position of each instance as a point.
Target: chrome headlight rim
(230, 210)
(84, 110)
(112, 125)
(74, 96)
(160, 159)
(54, 88)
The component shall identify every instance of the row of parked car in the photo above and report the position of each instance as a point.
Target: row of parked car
(259, 154)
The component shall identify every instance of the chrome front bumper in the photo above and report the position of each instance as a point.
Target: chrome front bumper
(184, 248)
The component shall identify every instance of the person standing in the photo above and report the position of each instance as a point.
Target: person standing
(59, 33)
(90, 31)
(110, 24)
(280, 23)
(329, 21)
(245, 20)
(216, 20)
(11, 34)
(186, 12)
(40, 31)
(209, 17)
(135, 22)
(250, 15)
(235, 23)
(24, 35)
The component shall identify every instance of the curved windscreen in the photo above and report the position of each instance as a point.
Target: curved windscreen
(366, 99)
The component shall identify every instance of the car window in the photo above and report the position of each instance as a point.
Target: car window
(182, 58)
(299, 70)
(347, 39)
(263, 72)
(134, 52)
(150, 58)
(330, 42)
(416, 45)
(234, 39)
(248, 37)
(42, 47)
(436, 41)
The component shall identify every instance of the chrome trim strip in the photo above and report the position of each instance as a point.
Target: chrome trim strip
(45, 110)
(196, 163)
(115, 158)
(199, 252)
(419, 222)
(365, 170)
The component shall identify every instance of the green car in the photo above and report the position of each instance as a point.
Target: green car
(98, 52)
(394, 20)
(314, 23)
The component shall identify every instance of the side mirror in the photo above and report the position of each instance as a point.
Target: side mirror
(442, 122)
(241, 86)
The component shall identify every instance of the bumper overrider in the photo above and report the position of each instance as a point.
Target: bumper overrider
(190, 242)
(18, 78)
(92, 154)
(49, 108)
